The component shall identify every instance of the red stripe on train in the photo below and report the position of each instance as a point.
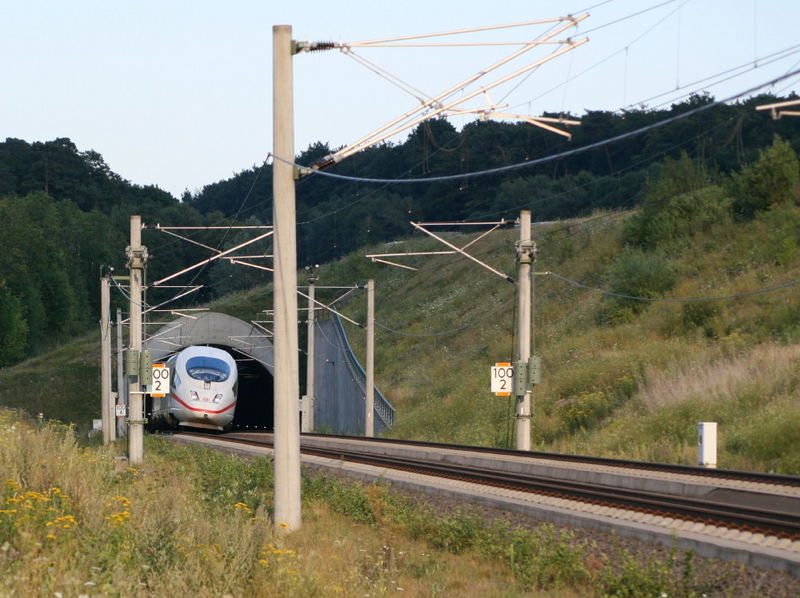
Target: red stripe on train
(177, 398)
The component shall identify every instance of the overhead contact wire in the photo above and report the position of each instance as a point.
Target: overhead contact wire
(552, 157)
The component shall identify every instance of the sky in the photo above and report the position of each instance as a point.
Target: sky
(178, 93)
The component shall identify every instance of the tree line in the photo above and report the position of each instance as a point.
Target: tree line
(335, 217)
(65, 214)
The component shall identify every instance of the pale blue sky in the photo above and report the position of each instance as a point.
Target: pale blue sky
(178, 93)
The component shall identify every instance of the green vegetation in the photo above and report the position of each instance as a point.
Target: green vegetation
(197, 522)
(621, 378)
(66, 214)
(61, 383)
(771, 180)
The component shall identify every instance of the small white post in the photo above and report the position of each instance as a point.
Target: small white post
(707, 444)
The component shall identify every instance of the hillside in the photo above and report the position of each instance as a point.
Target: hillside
(66, 213)
(621, 378)
(336, 217)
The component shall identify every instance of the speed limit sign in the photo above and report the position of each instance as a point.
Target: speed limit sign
(502, 379)
(160, 385)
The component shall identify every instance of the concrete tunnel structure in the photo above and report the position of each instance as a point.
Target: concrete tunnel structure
(339, 379)
(249, 346)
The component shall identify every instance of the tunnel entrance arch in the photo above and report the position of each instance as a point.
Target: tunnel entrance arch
(249, 346)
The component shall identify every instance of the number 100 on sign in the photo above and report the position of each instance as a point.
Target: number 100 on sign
(502, 379)
(161, 380)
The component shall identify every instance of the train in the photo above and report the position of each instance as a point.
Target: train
(204, 384)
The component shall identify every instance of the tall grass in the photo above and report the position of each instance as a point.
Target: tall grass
(750, 392)
(196, 522)
(767, 370)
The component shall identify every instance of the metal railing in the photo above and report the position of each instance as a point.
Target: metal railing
(383, 408)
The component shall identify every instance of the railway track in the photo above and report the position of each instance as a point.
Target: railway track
(781, 520)
(700, 472)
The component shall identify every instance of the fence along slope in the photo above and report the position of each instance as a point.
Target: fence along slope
(340, 384)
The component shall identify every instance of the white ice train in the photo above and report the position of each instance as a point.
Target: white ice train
(203, 390)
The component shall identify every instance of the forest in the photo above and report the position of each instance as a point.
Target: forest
(65, 214)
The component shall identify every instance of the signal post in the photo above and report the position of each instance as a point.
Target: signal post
(525, 254)
(286, 379)
(369, 398)
(106, 406)
(137, 259)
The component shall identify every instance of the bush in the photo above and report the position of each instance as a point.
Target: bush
(635, 273)
(678, 217)
(13, 328)
(772, 180)
(704, 315)
(777, 241)
(678, 203)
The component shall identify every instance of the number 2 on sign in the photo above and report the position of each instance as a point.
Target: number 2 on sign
(502, 379)
(160, 380)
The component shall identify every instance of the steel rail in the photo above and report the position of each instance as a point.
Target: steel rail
(693, 470)
(778, 523)
(754, 519)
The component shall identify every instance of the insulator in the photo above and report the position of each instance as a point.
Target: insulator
(323, 163)
(320, 46)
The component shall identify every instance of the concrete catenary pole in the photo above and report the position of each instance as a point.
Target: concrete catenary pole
(369, 416)
(524, 258)
(122, 395)
(137, 258)
(106, 409)
(287, 382)
(308, 411)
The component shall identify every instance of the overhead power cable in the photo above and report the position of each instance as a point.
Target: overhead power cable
(630, 16)
(610, 56)
(763, 61)
(545, 159)
(597, 180)
(786, 285)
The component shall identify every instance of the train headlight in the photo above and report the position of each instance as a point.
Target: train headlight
(194, 396)
(217, 398)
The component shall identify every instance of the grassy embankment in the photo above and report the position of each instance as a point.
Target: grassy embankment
(194, 522)
(633, 387)
(621, 378)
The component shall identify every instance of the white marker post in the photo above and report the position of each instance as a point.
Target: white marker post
(707, 444)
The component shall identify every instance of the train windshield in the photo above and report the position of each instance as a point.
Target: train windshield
(208, 369)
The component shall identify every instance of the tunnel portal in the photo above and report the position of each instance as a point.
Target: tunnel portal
(248, 345)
